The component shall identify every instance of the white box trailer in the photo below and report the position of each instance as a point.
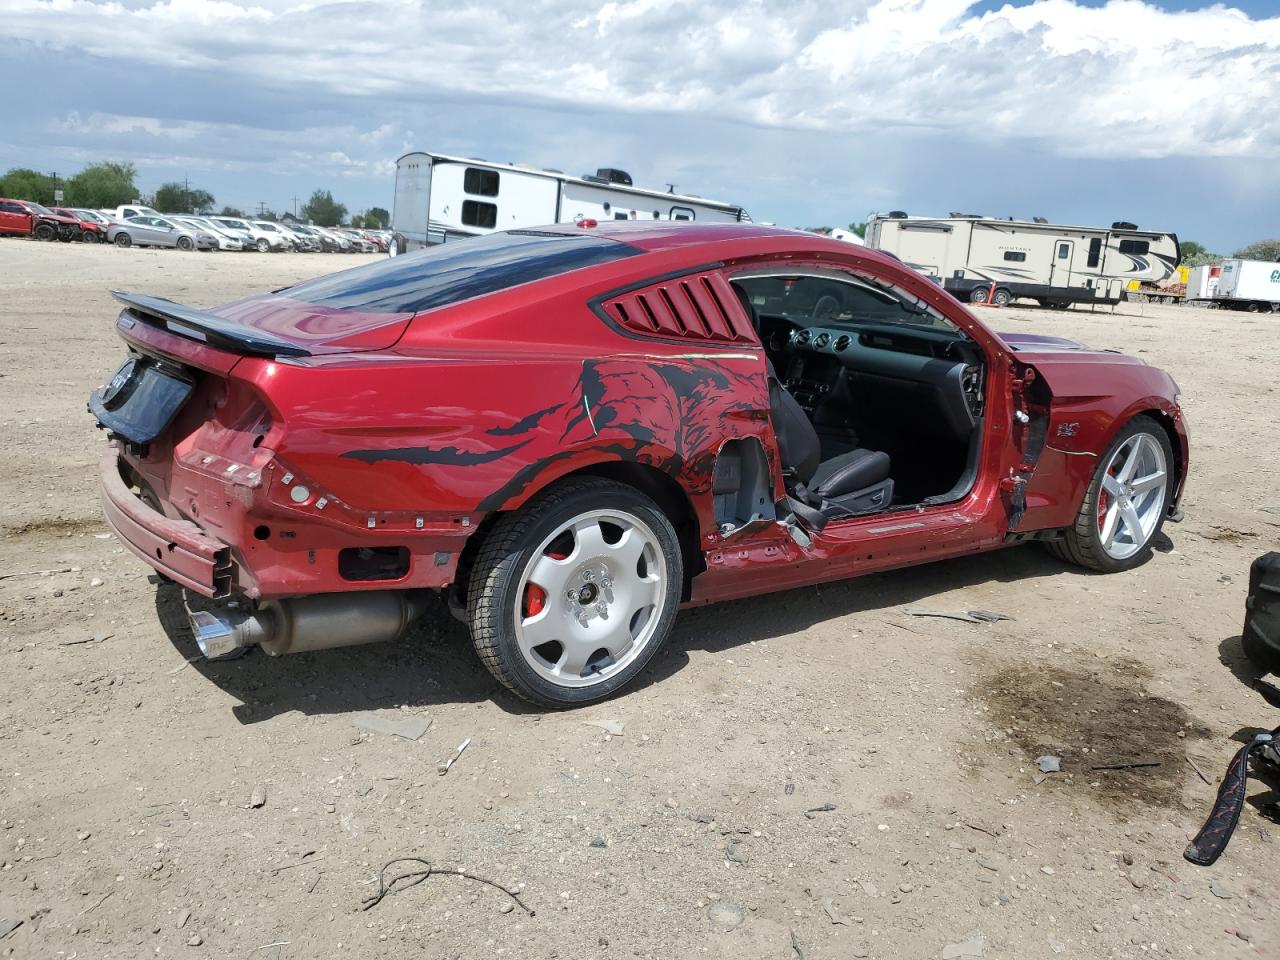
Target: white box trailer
(1202, 282)
(976, 258)
(441, 198)
(1252, 285)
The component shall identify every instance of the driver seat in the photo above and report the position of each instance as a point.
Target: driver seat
(847, 485)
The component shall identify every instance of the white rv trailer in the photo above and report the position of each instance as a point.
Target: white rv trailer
(440, 198)
(1054, 264)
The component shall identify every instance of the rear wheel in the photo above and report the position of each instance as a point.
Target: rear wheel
(1002, 298)
(263, 246)
(571, 596)
(124, 240)
(186, 243)
(979, 294)
(1125, 505)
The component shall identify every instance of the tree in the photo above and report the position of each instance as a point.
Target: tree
(323, 210)
(231, 212)
(1192, 249)
(1268, 250)
(1202, 260)
(103, 185)
(860, 229)
(21, 183)
(178, 198)
(376, 218)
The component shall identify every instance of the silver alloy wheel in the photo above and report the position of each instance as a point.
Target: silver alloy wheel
(1132, 497)
(590, 598)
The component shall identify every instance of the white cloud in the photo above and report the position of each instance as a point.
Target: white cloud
(1124, 80)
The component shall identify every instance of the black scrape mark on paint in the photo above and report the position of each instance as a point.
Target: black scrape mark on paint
(451, 456)
(523, 424)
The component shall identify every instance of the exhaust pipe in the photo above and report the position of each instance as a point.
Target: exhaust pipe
(301, 624)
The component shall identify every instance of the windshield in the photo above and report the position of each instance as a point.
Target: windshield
(40, 209)
(832, 299)
(453, 272)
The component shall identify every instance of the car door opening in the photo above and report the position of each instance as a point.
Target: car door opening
(877, 401)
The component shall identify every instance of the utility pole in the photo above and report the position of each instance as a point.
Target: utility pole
(186, 195)
(262, 207)
(55, 187)
(295, 207)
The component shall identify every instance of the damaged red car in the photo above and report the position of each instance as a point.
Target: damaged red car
(571, 432)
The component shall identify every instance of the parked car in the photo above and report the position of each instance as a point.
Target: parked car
(328, 242)
(24, 218)
(91, 230)
(569, 432)
(159, 232)
(224, 240)
(246, 241)
(359, 244)
(302, 240)
(292, 240)
(263, 241)
(96, 216)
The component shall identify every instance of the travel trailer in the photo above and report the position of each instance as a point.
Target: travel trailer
(440, 198)
(982, 258)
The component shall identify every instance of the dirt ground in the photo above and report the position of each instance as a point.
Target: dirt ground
(807, 775)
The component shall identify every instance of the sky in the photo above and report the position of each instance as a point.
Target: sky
(1165, 113)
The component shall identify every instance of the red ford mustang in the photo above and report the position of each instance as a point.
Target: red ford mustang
(571, 432)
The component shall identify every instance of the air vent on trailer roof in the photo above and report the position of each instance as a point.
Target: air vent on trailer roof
(701, 307)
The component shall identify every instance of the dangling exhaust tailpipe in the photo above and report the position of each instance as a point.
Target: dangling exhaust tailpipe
(300, 624)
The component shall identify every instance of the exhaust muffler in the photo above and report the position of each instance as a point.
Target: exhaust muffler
(301, 624)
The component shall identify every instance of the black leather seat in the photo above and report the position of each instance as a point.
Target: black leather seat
(850, 484)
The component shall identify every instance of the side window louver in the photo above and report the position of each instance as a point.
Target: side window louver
(702, 308)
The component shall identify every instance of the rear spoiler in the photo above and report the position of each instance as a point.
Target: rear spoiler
(207, 327)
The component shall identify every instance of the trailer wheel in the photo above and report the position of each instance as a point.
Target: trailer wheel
(978, 295)
(1002, 298)
(1254, 307)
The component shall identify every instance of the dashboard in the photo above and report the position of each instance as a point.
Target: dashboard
(812, 362)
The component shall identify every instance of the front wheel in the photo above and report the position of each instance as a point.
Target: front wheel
(571, 596)
(46, 231)
(1126, 502)
(89, 237)
(263, 246)
(124, 240)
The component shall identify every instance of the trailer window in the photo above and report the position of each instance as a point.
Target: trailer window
(452, 272)
(477, 214)
(1138, 248)
(1016, 256)
(682, 213)
(1064, 251)
(1095, 251)
(481, 183)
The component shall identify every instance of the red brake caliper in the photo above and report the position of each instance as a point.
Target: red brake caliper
(535, 598)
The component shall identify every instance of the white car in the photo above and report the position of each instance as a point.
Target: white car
(267, 226)
(263, 240)
(226, 240)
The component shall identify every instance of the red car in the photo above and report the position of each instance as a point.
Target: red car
(26, 219)
(570, 432)
(91, 231)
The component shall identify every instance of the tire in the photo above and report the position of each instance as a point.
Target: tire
(90, 237)
(65, 236)
(186, 243)
(124, 240)
(263, 246)
(1002, 298)
(1084, 543)
(46, 231)
(541, 540)
(979, 294)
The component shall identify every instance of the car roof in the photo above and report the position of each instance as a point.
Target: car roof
(722, 239)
